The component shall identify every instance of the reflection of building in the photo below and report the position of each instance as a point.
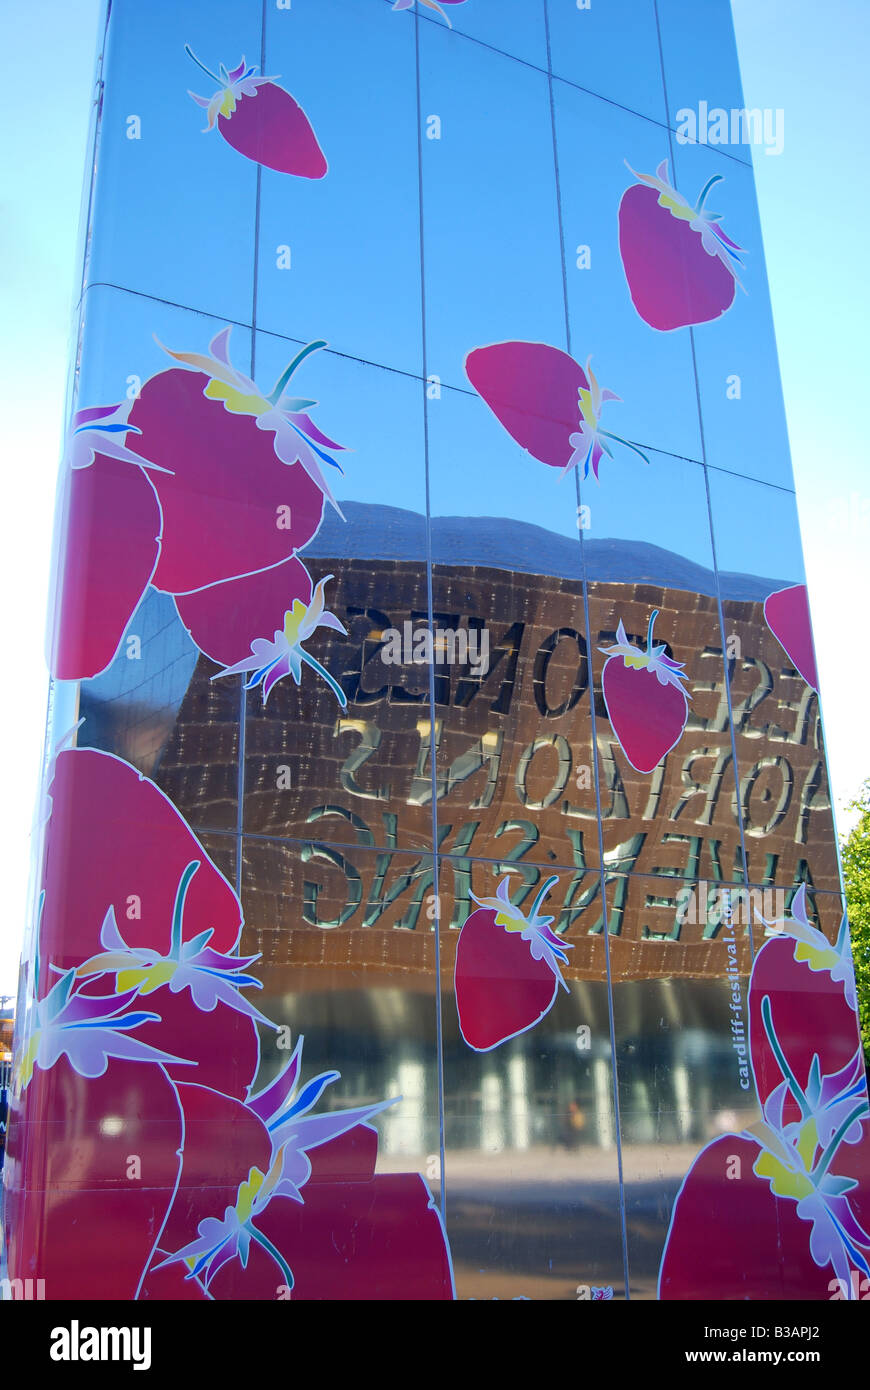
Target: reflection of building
(513, 755)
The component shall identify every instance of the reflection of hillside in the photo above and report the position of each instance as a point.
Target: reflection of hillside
(132, 707)
(390, 533)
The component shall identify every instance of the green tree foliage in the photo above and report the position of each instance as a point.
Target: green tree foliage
(856, 872)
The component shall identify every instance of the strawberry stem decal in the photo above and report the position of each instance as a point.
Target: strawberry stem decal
(220, 1240)
(646, 703)
(285, 1108)
(587, 443)
(507, 971)
(211, 976)
(796, 1156)
(91, 433)
(814, 949)
(546, 402)
(297, 438)
(271, 661)
(261, 120)
(86, 1029)
(679, 263)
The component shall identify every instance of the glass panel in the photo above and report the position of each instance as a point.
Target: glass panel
(779, 1047)
(682, 1059)
(151, 699)
(738, 373)
(611, 50)
(222, 850)
(348, 938)
(743, 511)
(263, 511)
(491, 237)
(531, 1168)
(699, 55)
(665, 756)
(513, 26)
(175, 207)
(780, 747)
(514, 741)
(608, 262)
(360, 773)
(339, 257)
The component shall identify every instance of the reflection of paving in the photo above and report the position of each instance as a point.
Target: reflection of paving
(539, 1222)
(538, 1170)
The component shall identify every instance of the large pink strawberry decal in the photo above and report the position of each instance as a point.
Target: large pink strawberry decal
(242, 490)
(111, 540)
(72, 1218)
(261, 120)
(787, 614)
(646, 702)
(245, 484)
(797, 1224)
(546, 402)
(110, 530)
(679, 264)
(145, 1158)
(122, 894)
(230, 622)
(507, 969)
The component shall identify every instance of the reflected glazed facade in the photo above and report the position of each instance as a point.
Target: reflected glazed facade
(433, 683)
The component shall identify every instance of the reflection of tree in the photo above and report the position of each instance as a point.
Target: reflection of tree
(856, 877)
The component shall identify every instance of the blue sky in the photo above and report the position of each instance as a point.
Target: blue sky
(808, 59)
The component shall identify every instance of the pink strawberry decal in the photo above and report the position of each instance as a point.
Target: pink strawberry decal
(228, 622)
(507, 969)
(245, 483)
(679, 264)
(138, 1036)
(430, 5)
(111, 525)
(646, 704)
(787, 614)
(546, 402)
(261, 120)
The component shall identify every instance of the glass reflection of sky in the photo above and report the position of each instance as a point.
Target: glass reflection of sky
(746, 434)
(175, 208)
(607, 48)
(354, 235)
(490, 212)
(699, 56)
(514, 26)
(756, 528)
